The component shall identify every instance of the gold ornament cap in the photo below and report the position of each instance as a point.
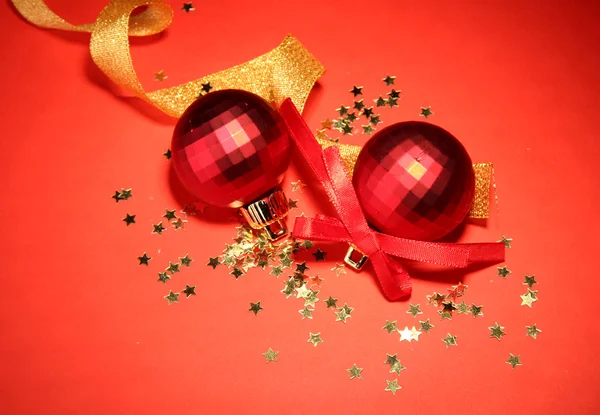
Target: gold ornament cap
(269, 214)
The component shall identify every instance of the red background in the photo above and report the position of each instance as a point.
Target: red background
(86, 330)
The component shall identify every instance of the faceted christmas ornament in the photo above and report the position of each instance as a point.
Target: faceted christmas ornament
(414, 180)
(230, 148)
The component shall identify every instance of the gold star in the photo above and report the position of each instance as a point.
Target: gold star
(390, 326)
(315, 339)
(339, 269)
(326, 124)
(189, 291)
(186, 260)
(391, 359)
(367, 129)
(306, 244)
(445, 315)
(348, 309)
(394, 94)
(129, 219)
(392, 102)
(301, 267)
(392, 386)
(298, 186)
(306, 313)
(426, 326)
(316, 280)
(351, 117)
(159, 228)
(395, 366)
(341, 315)
(237, 273)
(415, 333)
(163, 277)
(144, 259)
(277, 271)
(458, 290)
(172, 268)
(117, 196)
(311, 298)
(533, 331)
(414, 310)
(167, 154)
(319, 255)
(514, 361)
(347, 129)
(450, 340)
(463, 308)
(160, 76)
(354, 372)
(321, 134)
(125, 194)
(375, 120)
(426, 112)
(270, 355)
(255, 308)
(172, 297)
(169, 214)
(503, 272)
(476, 310)
(529, 298)
(529, 280)
(342, 110)
(359, 105)
(497, 331)
(367, 112)
(207, 87)
(406, 334)
(190, 210)
(178, 223)
(436, 299)
(389, 80)
(380, 102)
(506, 241)
(331, 302)
(356, 90)
(213, 262)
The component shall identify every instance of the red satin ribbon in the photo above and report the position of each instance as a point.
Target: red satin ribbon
(352, 226)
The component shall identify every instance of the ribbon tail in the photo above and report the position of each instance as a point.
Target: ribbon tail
(393, 278)
(321, 228)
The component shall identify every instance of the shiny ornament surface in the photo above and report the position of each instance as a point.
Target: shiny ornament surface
(230, 148)
(414, 180)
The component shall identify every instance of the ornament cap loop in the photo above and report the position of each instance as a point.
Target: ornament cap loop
(355, 257)
(268, 213)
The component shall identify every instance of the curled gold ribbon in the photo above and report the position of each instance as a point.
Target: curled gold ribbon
(289, 70)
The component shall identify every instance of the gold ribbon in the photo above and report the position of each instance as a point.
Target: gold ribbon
(289, 70)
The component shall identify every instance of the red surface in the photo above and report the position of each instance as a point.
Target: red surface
(85, 330)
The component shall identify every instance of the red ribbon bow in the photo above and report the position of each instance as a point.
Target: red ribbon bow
(352, 226)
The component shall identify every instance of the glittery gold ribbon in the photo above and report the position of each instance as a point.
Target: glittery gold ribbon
(480, 209)
(289, 70)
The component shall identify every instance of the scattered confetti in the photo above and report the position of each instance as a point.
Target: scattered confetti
(319, 255)
(529, 280)
(255, 308)
(173, 268)
(237, 273)
(306, 313)
(514, 361)
(450, 340)
(207, 87)
(497, 331)
(167, 154)
(163, 277)
(356, 90)
(189, 291)
(213, 262)
(392, 386)
(188, 7)
(414, 310)
(297, 186)
(529, 298)
(270, 355)
(463, 308)
(186, 260)
(129, 219)
(326, 124)
(476, 310)
(159, 228)
(426, 112)
(315, 339)
(331, 302)
(426, 326)
(532, 331)
(354, 372)
(169, 215)
(503, 272)
(390, 326)
(172, 297)
(144, 259)
(339, 269)
(160, 76)
(506, 241)
(389, 80)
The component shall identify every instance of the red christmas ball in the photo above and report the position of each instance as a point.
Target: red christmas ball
(414, 180)
(230, 148)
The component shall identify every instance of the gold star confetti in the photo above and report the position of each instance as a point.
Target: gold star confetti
(426, 112)
(129, 219)
(255, 308)
(331, 302)
(463, 308)
(392, 386)
(207, 87)
(178, 223)
(380, 102)
(321, 134)
(503, 272)
(351, 117)
(163, 277)
(189, 291)
(394, 94)
(359, 105)
(306, 313)
(339, 269)
(367, 112)
(347, 129)
(391, 359)
(315, 339)
(392, 102)
(457, 291)
(348, 309)
(186, 260)
(298, 186)
(144, 259)
(342, 110)
(306, 244)
(316, 280)
(237, 273)
(426, 326)
(497, 331)
(356, 90)
(447, 310)
(375, 120)
(276, 270)
(319, 255)
(213, 262)
(311, 298)
(506, 241)
(415, 333)
(169, 215)
(125, 194)
(342, 315)
(354, 372)
(529, 298)
(367, 129)
(270, 355)
(529, 280)
(167, 154)
(514, 361)
(293, 203)
(190, 210)
(414, 310)
(436, 299)
(172, 297)
(301, 267)
(476, 310)
(160, 76)
(406, 334)
(159, 228)
(395, 365)
(450, 340)
(390, 326)
(326, 124)
(532, 331)
(389, 80)
(172, 268)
